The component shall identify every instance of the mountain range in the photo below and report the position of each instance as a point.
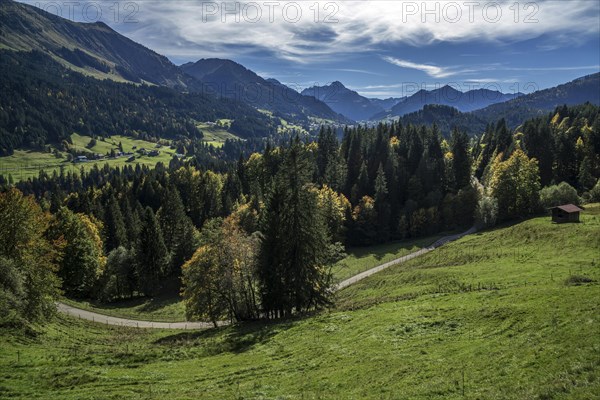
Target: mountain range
(97, 51)
(359, 108)
(514, 112)
(448, 96)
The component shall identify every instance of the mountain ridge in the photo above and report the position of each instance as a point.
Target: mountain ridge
(344, 101)
(92, 48)
(227, 78)
(447, 95)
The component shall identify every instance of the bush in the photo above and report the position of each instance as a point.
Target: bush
(594, 193)
(486, 212)
(555, 195)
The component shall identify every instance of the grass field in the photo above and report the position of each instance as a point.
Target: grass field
(360, 259)
(216, 135)
(511, 313)
(24, 164)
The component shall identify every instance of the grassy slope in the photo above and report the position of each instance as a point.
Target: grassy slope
(216, 135)
(360, 259)
(24, 164)
(170, 308)
(492, 307)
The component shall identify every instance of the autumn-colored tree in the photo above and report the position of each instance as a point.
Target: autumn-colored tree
(515, 183)
(82, 260)
(364, 222)
(220, 279)
(335, 207)
(28, 283)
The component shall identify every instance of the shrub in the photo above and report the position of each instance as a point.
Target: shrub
(555, 195)
(594, 193)
(486, 212)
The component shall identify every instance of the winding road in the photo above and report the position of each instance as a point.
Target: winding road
(116, 321)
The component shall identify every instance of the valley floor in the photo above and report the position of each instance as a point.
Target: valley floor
(511, 313)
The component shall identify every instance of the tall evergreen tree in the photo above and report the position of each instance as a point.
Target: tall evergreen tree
(294, 249)
(382, 206)
(114, 225)
(151, 255)
(461, 162)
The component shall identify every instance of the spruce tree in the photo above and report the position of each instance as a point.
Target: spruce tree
(114, 225)
(295, 244)
(382, 206)
(461, 163)
(152, 258)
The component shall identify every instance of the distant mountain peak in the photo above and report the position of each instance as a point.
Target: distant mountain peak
(345, 101)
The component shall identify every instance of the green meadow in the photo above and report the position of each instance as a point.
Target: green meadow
(217, 134)
(25, 164)
(510, 313)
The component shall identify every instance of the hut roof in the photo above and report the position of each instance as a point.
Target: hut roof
(568, 208)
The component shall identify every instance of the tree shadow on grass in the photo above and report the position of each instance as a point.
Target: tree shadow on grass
(236, 339)
(168, 296)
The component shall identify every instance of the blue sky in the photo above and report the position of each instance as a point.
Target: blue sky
(378, 48)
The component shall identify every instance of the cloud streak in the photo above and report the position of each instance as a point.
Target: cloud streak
(431, 70)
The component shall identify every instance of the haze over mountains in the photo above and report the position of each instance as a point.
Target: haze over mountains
(96, 50)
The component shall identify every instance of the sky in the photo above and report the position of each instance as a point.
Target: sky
(378, 48)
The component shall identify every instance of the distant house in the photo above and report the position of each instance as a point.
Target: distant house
(81, 159)
(565, 213)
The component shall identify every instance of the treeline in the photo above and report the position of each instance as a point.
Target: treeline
(43, 102)
(565, 143)
(256, 237)
(446, 118)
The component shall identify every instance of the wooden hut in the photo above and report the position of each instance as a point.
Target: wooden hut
(565, 213)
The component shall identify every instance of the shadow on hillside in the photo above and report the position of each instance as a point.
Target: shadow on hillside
(169, 295)
(236, 339)
(380, 251)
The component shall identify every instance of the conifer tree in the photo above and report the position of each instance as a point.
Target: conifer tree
(151, 255)
(461, 163)
(114, 225)
(382, 206)
(294, 250)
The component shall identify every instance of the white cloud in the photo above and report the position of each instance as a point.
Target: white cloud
(194, 29)
(431, 70)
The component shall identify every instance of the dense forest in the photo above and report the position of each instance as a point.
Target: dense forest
(43, 102)
(255, 237)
